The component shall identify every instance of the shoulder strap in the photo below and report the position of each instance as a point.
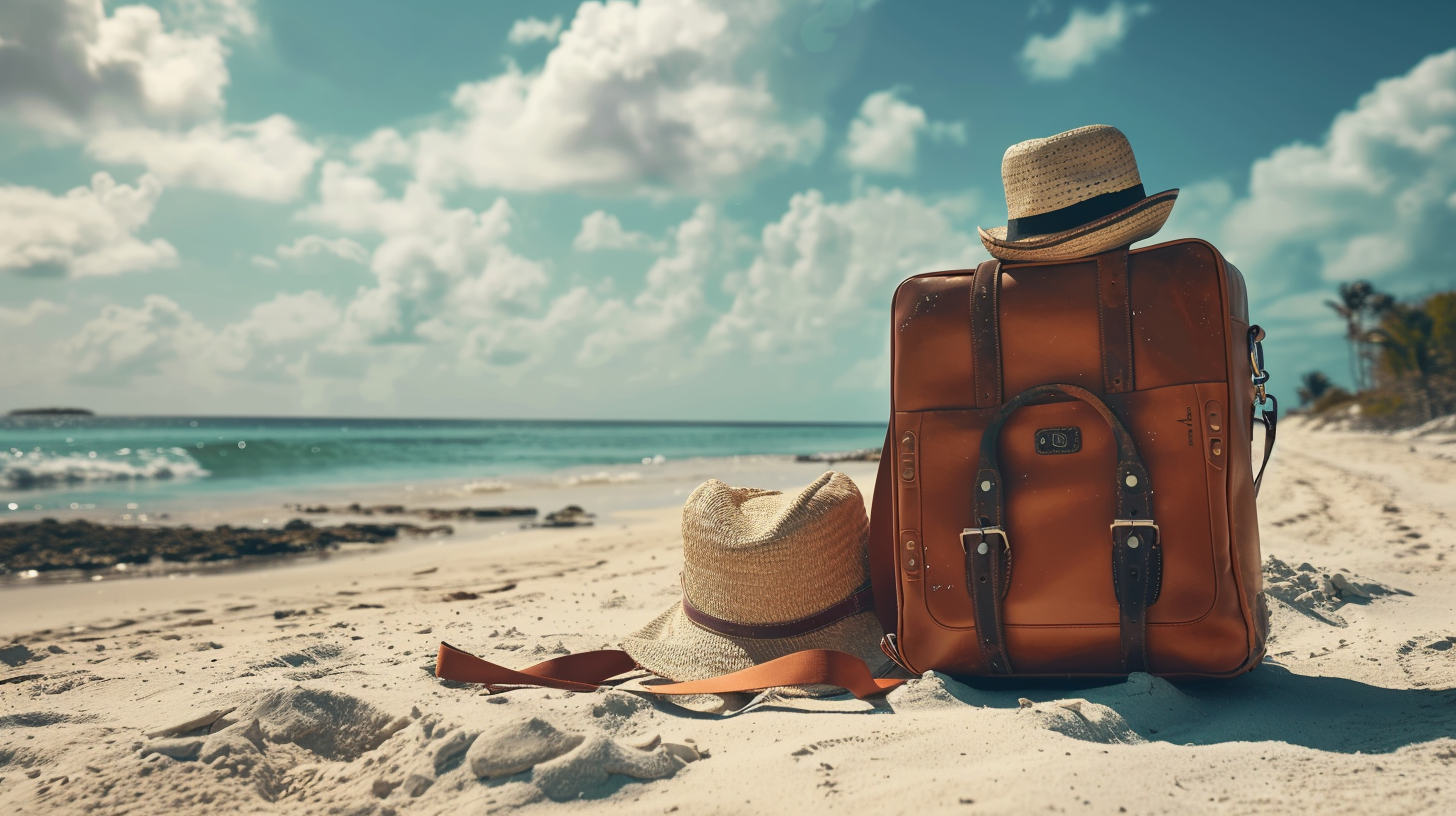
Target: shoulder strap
(587, 671)
(882, 536)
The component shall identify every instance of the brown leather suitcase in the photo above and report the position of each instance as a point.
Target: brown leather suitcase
(1067, 486)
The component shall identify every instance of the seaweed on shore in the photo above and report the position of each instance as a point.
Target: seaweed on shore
(83, 545)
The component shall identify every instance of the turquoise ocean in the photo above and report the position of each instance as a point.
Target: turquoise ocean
(61, 462)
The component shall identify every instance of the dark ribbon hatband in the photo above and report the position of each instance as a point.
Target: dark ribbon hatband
(1073, 215)
(860, 601)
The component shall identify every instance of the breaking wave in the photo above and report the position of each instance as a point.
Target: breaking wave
(33, 470)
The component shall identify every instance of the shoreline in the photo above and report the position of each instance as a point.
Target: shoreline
(324, 670)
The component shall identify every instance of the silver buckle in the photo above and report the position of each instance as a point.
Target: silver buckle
(983, 532)
(1132, 541)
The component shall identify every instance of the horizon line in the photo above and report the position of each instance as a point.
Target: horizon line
(570, 421)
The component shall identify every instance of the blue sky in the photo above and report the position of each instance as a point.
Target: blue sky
(682, 209)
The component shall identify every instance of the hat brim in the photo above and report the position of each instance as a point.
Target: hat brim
(1130, 224)
(674, 647)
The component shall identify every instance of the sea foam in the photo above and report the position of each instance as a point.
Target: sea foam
(37, 469)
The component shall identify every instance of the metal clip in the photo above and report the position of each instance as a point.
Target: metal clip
(1256, 362)
(983, 532)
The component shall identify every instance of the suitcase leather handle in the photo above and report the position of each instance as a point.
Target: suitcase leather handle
(1136, 549)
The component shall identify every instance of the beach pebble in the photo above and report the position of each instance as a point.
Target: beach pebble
(517, 747)
(452, 746)
(383, 787)
(186, 749)
(594, 761)
(416, 784)
(193, 724)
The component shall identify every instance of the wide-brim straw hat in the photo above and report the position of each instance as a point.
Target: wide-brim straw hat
(1073, 195)
(766, 574)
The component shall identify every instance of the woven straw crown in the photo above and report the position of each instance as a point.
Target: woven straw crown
(1073, 195)
(757, 558)
(1048, 174)
(760, 556)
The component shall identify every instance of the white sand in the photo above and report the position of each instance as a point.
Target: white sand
(322, 670)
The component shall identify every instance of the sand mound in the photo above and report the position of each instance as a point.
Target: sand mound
(1082, 720)
(1150, 705)
(332, 725)
(589, 767)
(931, 691)
(1317, 592)
(518, 746)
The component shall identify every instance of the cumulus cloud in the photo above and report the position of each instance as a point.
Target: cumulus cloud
(602, 230)
(826, 268)
(434, 265)
(1373, 199)
(138, 92)
(532, 29)
(160, 337)
(1082, 41)
(87, 231)
(266, 159)
(35, 311)
(81, 68)
(660, 95)
(308, 245)
(884, 137)
(123, 342)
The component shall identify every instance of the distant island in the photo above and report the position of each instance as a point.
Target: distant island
(52, 412)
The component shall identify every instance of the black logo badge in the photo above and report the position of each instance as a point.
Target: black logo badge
(1052, 441)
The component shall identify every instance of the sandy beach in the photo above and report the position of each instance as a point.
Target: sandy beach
(111, 691)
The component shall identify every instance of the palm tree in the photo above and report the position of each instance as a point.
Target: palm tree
(1406, 339)
(1360, 303)
(1351, 306)
(1312, 386)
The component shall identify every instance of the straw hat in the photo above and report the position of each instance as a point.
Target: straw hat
(1072, 195)
(766, 574)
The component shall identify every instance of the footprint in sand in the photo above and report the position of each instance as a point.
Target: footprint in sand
(1429, 660)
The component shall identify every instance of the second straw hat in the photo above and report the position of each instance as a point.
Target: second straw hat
(766, 574)
(1073, 195)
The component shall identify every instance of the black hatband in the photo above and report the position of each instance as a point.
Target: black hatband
(1074, 215)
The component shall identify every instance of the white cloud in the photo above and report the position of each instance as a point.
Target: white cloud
(1371, 200)
(266, 159)
(81, 69)
(825, 269)
(87, 231)
(602, 230)
(36, 310)
(532, 29)
(274, 342)
(123, 342)
(435, 267)
(1085, 38)
(138, 92)
(663, 95)
(884, 137)
(345, 248)
(264, 261)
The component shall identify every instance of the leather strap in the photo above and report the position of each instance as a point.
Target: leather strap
(1270, 418)
(986, 333)
(860, 601)
(587, 671)
(883, 552)
(1115, 320)
(1137, 559)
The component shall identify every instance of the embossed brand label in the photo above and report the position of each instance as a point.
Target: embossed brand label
(1052, 441)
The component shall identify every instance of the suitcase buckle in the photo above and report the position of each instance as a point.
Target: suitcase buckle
(983, 532)
(1135, 523)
